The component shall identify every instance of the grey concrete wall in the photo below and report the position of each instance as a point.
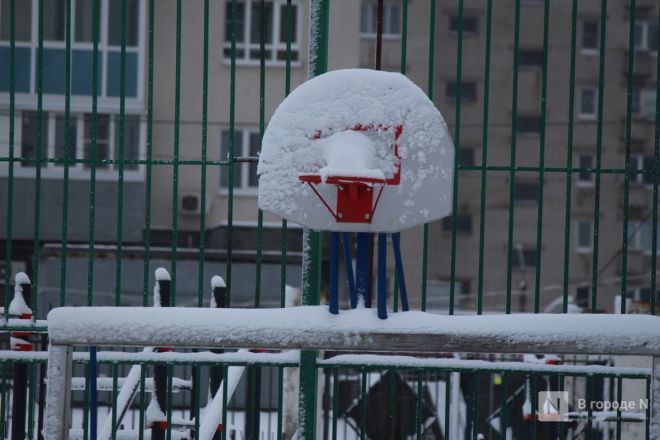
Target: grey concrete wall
(50, 223)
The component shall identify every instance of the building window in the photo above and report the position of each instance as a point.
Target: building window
(590, 35)
(585, 178)
(642, 163)
(468, 91)
(60, 139)
(54, 140)
(588, 104)
(643, 103)
(530, 58)
(466, 156)
(584, 236)
(646, 37)
(528, 124)
(23, 16)
(82, 55)
(525, 191)
(30, 144)
(246, 144)
(249, 32)
(640, 236)
(469, 25)
(583, 296)
(391, 19)
(463, 223)
(522, 258)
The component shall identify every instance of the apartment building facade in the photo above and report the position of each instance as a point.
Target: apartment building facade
(179, 140)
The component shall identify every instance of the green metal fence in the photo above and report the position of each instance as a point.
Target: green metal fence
(154, 162)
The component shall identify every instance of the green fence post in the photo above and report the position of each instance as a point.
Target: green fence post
(318, 64)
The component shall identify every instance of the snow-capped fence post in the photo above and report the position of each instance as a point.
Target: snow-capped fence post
(20, 341)
(160, 396)
(218, 301)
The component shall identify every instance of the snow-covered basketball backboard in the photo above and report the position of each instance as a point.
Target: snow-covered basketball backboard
(357, 150)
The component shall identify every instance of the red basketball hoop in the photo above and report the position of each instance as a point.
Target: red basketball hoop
(355, 194)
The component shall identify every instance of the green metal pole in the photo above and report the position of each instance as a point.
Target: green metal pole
(318, 64)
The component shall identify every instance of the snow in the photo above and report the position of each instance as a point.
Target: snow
(18, 306)
(349, 153)
(333, 104)
(313, 327)
(217, 281)
(22, 278)
(162, 274)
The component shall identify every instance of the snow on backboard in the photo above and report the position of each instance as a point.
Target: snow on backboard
(344, 123)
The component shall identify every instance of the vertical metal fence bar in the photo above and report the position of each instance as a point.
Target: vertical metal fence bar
(115, 381)
(599, 148)
(143, 402)
(67, 149)
(540, 186)
(656, 172)
(10, 165)
(626, 176)
(175, 158)
(196, 370)
(93, 162)
(284, 237)
(484, 159)
(149, 155)
(4, 390)
(230, 158)
(419, 405)
(590, 412)
(202, 183)
(36, 247)
(569, 157)
(122, 127)
(512, 164)
(457, 143)
(448, 403)
(429, 92)
(318, 64)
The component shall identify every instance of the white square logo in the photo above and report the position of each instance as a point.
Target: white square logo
(553, 406)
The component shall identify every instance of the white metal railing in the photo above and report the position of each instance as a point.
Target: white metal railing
(357, 330)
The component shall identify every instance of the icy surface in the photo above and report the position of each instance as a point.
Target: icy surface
(334, 103)
(313, 326)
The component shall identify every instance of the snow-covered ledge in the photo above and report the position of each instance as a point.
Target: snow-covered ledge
(359, 330)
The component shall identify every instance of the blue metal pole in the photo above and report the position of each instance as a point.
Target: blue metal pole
(362, 265)
(334, 273)
(398, 266)
(349, 270)
(382, 275)
(93, 409)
